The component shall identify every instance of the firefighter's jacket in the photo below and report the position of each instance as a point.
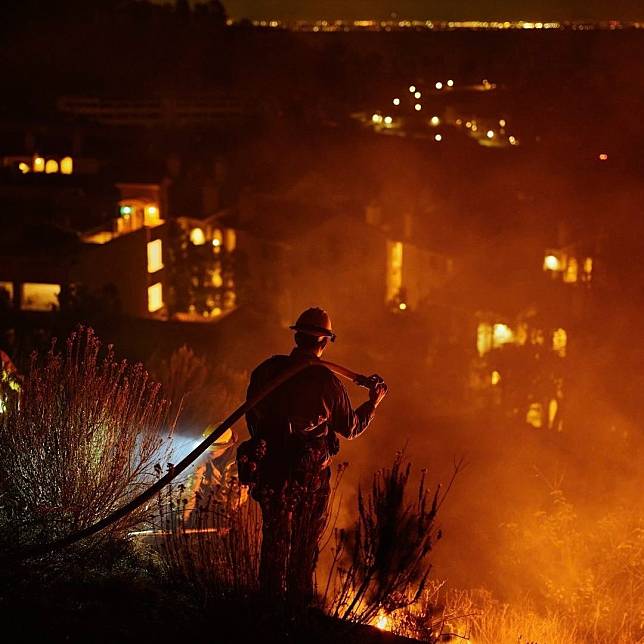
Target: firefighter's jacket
(300, 419)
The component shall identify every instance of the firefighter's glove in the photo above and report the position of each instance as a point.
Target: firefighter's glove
(377, 389)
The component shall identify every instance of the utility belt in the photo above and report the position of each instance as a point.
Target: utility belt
(283, 456)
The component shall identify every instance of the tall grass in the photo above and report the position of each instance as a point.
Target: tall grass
(79, 440)
(211, 542)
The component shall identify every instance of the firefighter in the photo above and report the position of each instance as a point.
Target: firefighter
(297, 426)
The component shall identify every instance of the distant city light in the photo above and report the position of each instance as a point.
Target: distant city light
(216, 242)
(439, 85)
(126, 211)
(388, 120)
(418, 107)
(417, 94)
(603, 156)
(438, 137)
(459, 121)
(513, 140)
(376, 118)
(502, 122)
(435, 121)
(402, 306)
(450, 83)
(396, 101)
(23, 167)
(496, 377)
(468, 124)
(412, 89)
(490, 134)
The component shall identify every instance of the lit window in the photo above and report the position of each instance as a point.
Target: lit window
(197, 237)
(572, 270)
(231, 240)
(152, 216)
(534, 416)
(551, 263)
(559, 342)
(394, 270)
(67, 165)
(155, 297)
(40, 297)
(588, 265)
(23, 167)
(7, 287)
(155, 256)
(502, 334)
(39, 164)
(217, 280)
(496, 378)
(484, 338)
(51, 167)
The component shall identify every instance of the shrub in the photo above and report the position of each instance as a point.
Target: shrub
(80, 440)
(382, 563)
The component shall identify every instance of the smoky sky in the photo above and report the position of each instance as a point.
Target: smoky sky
(439, 9)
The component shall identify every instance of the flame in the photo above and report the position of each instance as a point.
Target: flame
(383, 622)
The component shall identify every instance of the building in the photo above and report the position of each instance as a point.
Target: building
(69, 234)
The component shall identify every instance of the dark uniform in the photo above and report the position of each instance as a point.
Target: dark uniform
(299, 421)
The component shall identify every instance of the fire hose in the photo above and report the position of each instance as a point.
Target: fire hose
(175, 470)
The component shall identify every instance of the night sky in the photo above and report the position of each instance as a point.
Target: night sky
(439, 9)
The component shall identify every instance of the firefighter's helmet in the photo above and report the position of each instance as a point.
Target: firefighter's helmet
(315, 321)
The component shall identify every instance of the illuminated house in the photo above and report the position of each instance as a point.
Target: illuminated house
(70, 235)
(297, 253)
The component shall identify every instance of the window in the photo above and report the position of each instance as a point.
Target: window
(40, 297)
(197, 237)
(51, 167)
(571, 272)
(6, 293)
(155, 297)
(559, 342)
(394, 270)
(67, 165)
(152, 215)
(155, 256)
